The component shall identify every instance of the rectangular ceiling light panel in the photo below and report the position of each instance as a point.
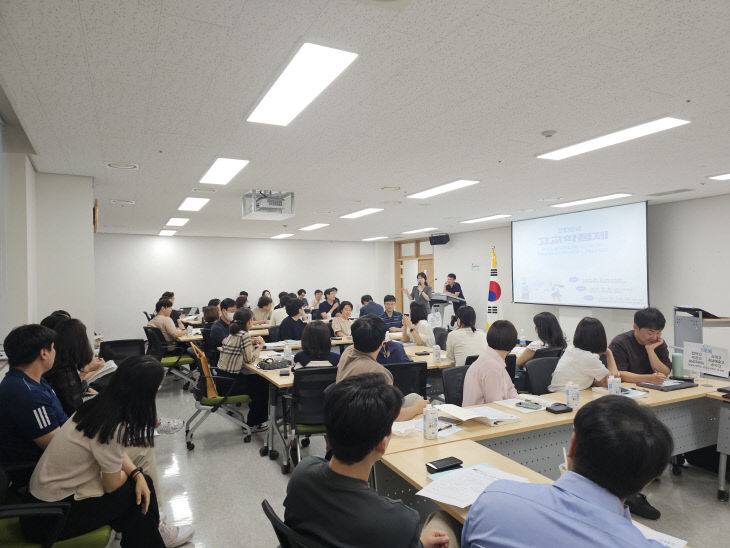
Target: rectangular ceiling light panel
(374, 238)
(222, 171)
(315, 226)
(167, 232)
(281, 236)
(416, 231)
(361, 213)
(193, 204)
(484, 219)
(442, 189)
(592, 200)
(312, 69)
(177, 221)
(725, 177)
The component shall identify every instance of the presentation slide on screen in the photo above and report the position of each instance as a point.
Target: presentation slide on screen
(589, 258)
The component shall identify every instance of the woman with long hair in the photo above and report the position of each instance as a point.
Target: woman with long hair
(549, 335)
(416, 326)
(466, 340)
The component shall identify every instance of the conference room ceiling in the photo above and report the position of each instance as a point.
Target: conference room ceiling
(440, 91)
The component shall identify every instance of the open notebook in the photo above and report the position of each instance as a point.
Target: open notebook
(487, 415)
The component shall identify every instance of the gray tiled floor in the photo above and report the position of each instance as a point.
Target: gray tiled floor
(219, 486)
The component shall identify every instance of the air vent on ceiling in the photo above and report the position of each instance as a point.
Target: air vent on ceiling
(397, 5)
(267, 205)
(204, 190)
(128, 166)
(669, 192)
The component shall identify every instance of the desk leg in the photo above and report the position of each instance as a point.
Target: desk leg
(722, 493)
(723, 447)
(268, 448)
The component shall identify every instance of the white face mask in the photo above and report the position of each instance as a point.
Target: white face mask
(229, 315)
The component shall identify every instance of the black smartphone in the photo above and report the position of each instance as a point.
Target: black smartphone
(685, 379)
(558, 408)
(725, 389)
(422, 353)
(727, 396)
(441, 465)
(283, 372)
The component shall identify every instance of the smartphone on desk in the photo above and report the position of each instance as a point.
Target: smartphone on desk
(725, 389)
(528, 405)
(442, 465)
(422, 353)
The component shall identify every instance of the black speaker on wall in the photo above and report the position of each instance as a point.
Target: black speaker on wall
(439, 239)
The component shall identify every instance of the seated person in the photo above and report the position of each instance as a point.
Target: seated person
(281, 304)
(641, 354)
(341, 323)
(369, 306)
(368, 336)
(416, 327)
(278, 314)
(74, 364)
(332, 501)
(487, 379)
(54, 318)
(245, 295)
(302, 296)
(262, 312)
(314, 307)
(328, 308)
(220, 329)
(240, 349)
(266, 293)
(292, 326)
(174, 314)
(392, 318)
(90, 448)
(617, 448)
(466, 340)
(316, 347)
(392, 352)
(164, 323)
(241, 302)
(549, 335)
(211, 314)
(581, 363)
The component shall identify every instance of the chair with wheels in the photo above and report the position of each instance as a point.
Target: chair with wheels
(453, 379)
(471, 359)
(539, 374)
(209, 347)
(288, 537)
(409, 377)
(548, 352)
(171, 356)
(209, 401)
(148, 315)
(306, 404)
(441, 333)
(510, 363)
(274, 334)
(11, 534)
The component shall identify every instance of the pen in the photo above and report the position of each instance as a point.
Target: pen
(445, 427)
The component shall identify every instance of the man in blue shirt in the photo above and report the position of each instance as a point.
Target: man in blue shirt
(30, 412)
(221, 328)
(329, 305)
(369, 306)
(617, 448)
(393, 318)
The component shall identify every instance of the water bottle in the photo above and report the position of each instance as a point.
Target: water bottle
(611, 384)
(436, 353)
(617, 386)
(430, 422)
(523, 340)
(572, 396)
(190, 330)
(288, 353)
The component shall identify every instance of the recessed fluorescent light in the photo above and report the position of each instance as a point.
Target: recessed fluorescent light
(725, 177)
(222, 171)
(592, 200)
(315, 226)
(177, 221)
(312, 69)
(614, 138)
(193, 204)
(281, 236)
(441, 189)
(419, 230)
(483, 219)
(374, 238)
(167, 232)
(361, 213)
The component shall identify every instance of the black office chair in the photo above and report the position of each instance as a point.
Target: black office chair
(148, 316)
(409, 377)
(510, 363)
(471, 359)
(554, 352)
(288, 537)
(440, 334)
(453, 379)
(120, 349)
(209, 348)
(539, 374)
(171, 356)
(274, 334)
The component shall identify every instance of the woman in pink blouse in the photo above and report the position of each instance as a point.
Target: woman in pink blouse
(487, 379)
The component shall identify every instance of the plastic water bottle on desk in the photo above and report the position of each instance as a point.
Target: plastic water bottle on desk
(617, 386)
(436, 353)
(288, 352)
(523, 339)
(572, 396)
(430, 422)
(611, 384)
(190, 330)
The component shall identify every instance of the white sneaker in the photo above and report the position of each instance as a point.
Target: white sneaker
(175, 535)
(170, 426)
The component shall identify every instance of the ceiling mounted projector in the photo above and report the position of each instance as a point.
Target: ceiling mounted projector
(267, 205)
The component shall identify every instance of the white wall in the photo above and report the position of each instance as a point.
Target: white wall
(133, 270)
(689, 261)
(65, 246)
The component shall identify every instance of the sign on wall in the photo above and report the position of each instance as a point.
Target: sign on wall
(703, 358)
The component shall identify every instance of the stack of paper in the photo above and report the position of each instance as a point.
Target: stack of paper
(106, 369)
(661, 538)
(512, 403)
(628, 392)
(404, 428)
(462, 487)
(487, 415)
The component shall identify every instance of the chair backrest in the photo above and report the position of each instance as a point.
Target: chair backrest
(453, 380)
(441, 333)
(210, 390)
(554, 352)
(156, 343)
(510, 363)
(147, 315)
(308, 393)
(409, 377)
(539, 374)
(274, 333)
(288, 537)
(471, 359)
(209, 347)
(120, 349)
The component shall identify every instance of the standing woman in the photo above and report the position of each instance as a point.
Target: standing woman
(421, 293)
(549, 334)
(91, 446)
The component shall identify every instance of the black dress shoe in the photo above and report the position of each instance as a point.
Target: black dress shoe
(640, 506)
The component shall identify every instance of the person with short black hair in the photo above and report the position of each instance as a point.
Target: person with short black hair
(174, 313)
(331, 502)
(369, 306)
(54, 318)
(278, 314)
(641, 354)
(453, 288)
(262, 312)
(617, 447)
(487, 379)
(210, 316)
(241, 302)
(292, 326)
(266, 293)
(466, 340)
(221, 329)
(341, 325)
(215, 302)
(581, 362)
(164, 323)
(368, 336)
(316, 346)
(328, 307)
(549, 335)
(416, 326)
(302, 296)
(243, 294)
(392, 318)
(318, 296)
(421, 292)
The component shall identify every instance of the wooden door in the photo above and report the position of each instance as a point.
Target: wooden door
(426, 266)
